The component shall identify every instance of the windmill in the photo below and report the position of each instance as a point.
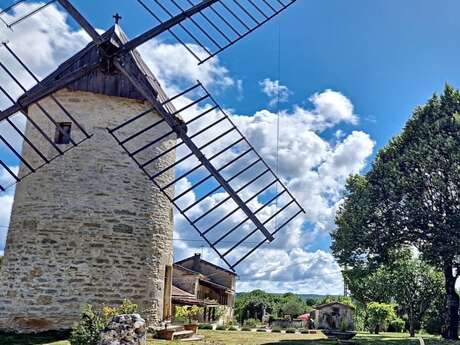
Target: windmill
(238, 203)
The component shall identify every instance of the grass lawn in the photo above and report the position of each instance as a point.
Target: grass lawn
(255, 338)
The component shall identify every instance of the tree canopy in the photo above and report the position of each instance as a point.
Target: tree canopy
(254, 304)
(410, 197)
(409, 282)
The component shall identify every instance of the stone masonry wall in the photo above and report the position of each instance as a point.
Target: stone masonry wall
(87, 228)
(186, 281)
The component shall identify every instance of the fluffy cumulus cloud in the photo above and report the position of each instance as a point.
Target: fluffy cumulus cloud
(311, 162)
(294, 271)
(175, 67)
(314, 165)
(275, 91)
(42, 41)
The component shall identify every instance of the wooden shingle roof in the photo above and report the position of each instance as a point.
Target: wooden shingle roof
(104, 80)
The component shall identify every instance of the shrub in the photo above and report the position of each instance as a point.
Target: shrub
(304, 331)
(92, 322)
(276, 330)
(205, 326)
(88, 330)
(246, 329)
(397, 325)
(262, 330)
(221, 328)
(188, 313)
(253, 323)
(290, 330)
(127, 307)
(380, 315)
(232, 328)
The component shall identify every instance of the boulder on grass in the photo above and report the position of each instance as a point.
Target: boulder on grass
(127, 329)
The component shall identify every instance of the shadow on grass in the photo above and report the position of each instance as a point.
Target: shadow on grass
(362, 340)
(302, 342)
(32, 339)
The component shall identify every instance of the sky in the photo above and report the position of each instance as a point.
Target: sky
(348, 75)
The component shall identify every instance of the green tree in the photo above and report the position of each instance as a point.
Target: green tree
(341, 299)
(408, 281)
(416, 286)
(368, 285)
(410, 197)
(380, 315)
(253, 305)
(293, 307)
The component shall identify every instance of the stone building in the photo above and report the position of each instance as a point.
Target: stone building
(89, 228)
(199, 282)
(333, 315)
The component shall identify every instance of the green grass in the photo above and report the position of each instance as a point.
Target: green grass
(256, 338)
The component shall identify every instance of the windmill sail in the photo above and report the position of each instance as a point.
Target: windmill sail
(13, 119)
(211, 26)
(232, 198)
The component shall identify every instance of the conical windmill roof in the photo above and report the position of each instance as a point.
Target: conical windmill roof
(103, 80)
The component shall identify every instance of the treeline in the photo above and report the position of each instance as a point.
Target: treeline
(257, 304)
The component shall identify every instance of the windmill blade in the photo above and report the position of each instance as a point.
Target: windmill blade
(50, 134)
(212, 25)
(232, 195)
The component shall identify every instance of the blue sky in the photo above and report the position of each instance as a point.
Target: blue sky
(385, 57)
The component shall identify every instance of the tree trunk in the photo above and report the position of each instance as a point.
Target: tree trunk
(411, 321)
(452, 305)
(377, 329)
(412, 328)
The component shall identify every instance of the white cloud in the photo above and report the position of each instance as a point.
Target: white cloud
(275, 91)
(332, 107)
(42, 41)
(6, 203)
(175, 66)
(315, 170)
(293, 271)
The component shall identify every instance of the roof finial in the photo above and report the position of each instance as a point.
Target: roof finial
(117, 18)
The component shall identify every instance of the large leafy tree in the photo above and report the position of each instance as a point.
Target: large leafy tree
(415, 287)
(254, 304)
(408, 281)
(411, 196)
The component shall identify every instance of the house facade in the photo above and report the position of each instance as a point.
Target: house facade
(199, 282)
(333, 315)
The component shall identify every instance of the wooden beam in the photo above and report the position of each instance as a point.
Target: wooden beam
(148, 35)
(80, 19)
(181, 130)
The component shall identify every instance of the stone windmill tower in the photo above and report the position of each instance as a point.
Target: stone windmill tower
(92, 219)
